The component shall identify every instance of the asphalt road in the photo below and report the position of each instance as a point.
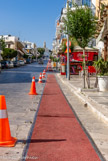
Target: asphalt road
(22, 74)
(15, 84)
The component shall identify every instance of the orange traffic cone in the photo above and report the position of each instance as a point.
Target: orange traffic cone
(33, 88)
(43, 76)
(40, 78)
(44, 72)
(5, 135)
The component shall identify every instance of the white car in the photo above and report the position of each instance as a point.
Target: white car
(21, 62)
(11, 64)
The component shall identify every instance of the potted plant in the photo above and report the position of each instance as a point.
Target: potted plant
(102, 74)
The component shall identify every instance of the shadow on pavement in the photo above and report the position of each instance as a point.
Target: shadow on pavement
(62, 116)
(40, 140)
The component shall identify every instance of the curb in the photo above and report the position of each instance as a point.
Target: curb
(96, 108)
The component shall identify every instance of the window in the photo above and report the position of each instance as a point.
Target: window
(86, 2)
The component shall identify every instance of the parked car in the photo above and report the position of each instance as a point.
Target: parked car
(16, 63)
(21, 62)
(0, 66)
(11, 64)
(4, 64)
(40, 61)
(28, 61)
(25, 61)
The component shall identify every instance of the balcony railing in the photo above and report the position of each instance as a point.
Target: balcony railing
(100, 35)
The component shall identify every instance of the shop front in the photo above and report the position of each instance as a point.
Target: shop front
(76, 59)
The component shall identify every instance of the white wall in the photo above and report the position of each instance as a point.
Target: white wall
(78, 2)
(10, 40)
(100, 46)
(94, 2)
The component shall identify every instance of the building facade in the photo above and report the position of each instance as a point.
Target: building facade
(102, 31)
(30, 48)
(60, 37)
(100, 10)
(14, 42)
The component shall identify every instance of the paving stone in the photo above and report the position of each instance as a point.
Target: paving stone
(96, 128)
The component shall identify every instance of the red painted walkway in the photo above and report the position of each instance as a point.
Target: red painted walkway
(57, 135)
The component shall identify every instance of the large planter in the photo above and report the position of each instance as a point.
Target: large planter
(63, 69)
(103, 83)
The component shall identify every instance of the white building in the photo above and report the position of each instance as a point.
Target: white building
(31, 48)
(11, 41)
(14, 42)
(60, 37)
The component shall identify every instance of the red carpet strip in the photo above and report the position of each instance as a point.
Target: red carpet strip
(57, 135)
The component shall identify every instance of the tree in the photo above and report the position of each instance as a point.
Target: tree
(2, 44)
(25, 56)
(41, 51)
(81, 24)
(33, 57)
(9, 53)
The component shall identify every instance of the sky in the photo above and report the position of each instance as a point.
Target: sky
(30, 20)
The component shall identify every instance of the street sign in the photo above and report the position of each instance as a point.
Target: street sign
(69, 43)
(66, 51)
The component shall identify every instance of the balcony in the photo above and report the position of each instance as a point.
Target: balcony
(64, 10)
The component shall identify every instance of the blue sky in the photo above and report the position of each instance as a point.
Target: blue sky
(31, 20)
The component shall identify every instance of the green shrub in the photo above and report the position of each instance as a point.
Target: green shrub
(101, 67)
(9, 53)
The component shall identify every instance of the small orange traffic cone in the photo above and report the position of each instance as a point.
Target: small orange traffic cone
(33, 87)
(40, 78)
(43, 76)
(5, 135)
(44, 72)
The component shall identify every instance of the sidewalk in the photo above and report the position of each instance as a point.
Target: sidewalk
(57, 135)
(96, 101)
(93, 115)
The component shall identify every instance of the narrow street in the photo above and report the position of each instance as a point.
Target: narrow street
(45, 125)
(15, 84)
(54, 80)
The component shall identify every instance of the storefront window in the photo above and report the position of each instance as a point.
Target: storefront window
(95, 58)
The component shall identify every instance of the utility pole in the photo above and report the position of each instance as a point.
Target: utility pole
(68, 63)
